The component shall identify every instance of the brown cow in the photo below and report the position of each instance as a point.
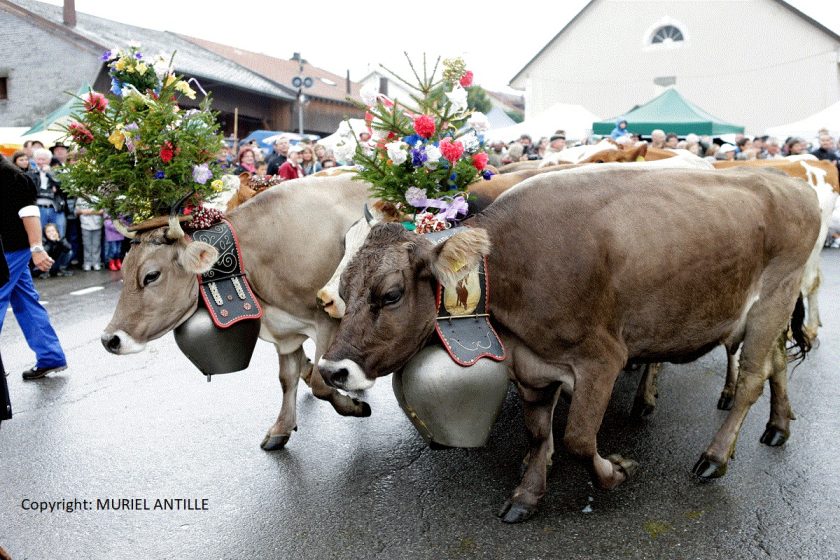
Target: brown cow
(598, 297)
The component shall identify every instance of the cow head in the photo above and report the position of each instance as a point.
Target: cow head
(160, 287)
(628, 154)
(389, 290)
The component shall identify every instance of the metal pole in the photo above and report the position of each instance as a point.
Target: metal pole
(300, 111)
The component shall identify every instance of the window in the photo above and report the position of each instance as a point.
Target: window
(666, 34)
(4, 92)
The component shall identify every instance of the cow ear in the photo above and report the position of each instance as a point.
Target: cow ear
(198, 257)
(453, 259)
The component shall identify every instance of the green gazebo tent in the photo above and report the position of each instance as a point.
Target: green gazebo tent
(670, 112)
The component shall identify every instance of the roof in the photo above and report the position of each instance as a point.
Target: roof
(784, 4)
(326, 85)
(191, 59)
(670, 112)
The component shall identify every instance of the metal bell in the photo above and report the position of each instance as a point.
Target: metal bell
(213, 350)
(451, 405)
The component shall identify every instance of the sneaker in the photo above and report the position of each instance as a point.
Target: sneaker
(112, 265)
(44, 275)
(86, 268)
(64, 272)
(97, 266)
(37, 373)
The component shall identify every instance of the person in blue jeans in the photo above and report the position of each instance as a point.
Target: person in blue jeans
(20, 229)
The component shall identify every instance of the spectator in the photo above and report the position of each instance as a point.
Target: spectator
(758, 146)
(59, 250)
(20, 229)
(320, 152)
(262, 168)
(291, 167)
(278, 156)
(328, 162)
(671, 140)
(692, 144)
(711, 152)
(113, 244)
(619, 130)
(246, 162)
(308, 163)
(529, 151)
(744, 149)
(514, 153)
(496, 153)
(59, 154)
(725, 153)
(29, 148)
(657, 138)
(90, 221)
(21, 160)
(556, 143)
(826, 150)
(51, 200)
(794, 147)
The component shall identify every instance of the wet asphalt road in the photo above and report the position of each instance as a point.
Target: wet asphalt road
(148, 426)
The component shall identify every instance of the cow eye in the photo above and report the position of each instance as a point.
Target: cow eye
(151, 277)
(392, 296)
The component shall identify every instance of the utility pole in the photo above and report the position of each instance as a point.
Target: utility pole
(300, 81)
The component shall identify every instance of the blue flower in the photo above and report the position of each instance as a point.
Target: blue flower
(138, 56)
(106, 56)
(418, 157)
(412, 139)
(453, 176)
(159, 174)
(116, 86)
(486, 174)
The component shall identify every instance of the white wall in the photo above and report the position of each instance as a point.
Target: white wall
(750, 62)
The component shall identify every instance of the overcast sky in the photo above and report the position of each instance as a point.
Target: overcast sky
(496, 39)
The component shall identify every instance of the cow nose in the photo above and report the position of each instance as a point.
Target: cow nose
(111, 342)
(335, 376)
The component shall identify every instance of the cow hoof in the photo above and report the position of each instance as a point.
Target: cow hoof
(641, 409)
(707, 469)
(774, 437)
(364, 406)
(515, 513)
(725, 402)
(274, 442)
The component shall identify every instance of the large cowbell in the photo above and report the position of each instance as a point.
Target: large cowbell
(451, 405)
(213, 350)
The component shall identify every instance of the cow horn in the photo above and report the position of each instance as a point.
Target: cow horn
(175, 231)
(120, 227)
(368, 216)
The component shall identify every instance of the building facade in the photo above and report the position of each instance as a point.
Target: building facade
(756, 63)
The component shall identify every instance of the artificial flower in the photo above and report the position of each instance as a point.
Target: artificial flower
(106, 56)
(396, 152)
(218, 185)
(119, 64)
(169, 79)
(479, 160)
(416, 197)
(94, 101)
(80, 133)
(467, 79)
(166, 152)
(458, 98)
(424, 125)
(201, 173)
(116, 86)
(418, 156)
(471, 142)
(185, 89)
(159, 174)
(117, 138)
(478, 122)
(433, 156)
(369, 94)
(142, 67)
(451, 150)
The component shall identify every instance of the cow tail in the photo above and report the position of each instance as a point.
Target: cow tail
(801, 344)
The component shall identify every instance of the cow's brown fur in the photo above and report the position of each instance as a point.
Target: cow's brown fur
(788, 167)
(612, 284)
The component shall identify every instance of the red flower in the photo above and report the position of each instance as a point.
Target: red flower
(451, 150)
(368, 118)
(466, 79)
(479, 160)
(95, 102)
(424, 126)
(166, 152)
(80, 133)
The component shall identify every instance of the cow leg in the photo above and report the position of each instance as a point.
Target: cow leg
(781, 413)
(765, 321)
(812, 320)
(727, 395)
(538, 406)
(290, 369)
(343, 404)
(645, 401)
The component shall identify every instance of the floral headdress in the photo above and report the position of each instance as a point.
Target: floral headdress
(423, 159)
(140, 152)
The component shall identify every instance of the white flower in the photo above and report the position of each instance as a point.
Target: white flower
(433, 154)
(369, 93)
(397, 152)
(478, 121)
(458, 98)
(415, 196)
(134, 44)
(470, 142)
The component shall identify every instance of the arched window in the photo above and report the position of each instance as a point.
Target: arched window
(666, 34)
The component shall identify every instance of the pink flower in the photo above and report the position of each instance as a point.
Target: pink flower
(95, 102)
(424, 126)
(80, 133)
(451, 150)
(466, 79)
(479, 160)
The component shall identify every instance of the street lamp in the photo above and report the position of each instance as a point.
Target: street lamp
(300, 81)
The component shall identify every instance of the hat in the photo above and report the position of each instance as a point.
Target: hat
(296, 148)
(726, 148)
(59, 145)
(557, 136)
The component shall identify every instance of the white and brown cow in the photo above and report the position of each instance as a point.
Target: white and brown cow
(583, 280)
(290, 237)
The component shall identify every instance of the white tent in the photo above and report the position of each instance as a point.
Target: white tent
(808, 127)
(499, 119)
(576, 120)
